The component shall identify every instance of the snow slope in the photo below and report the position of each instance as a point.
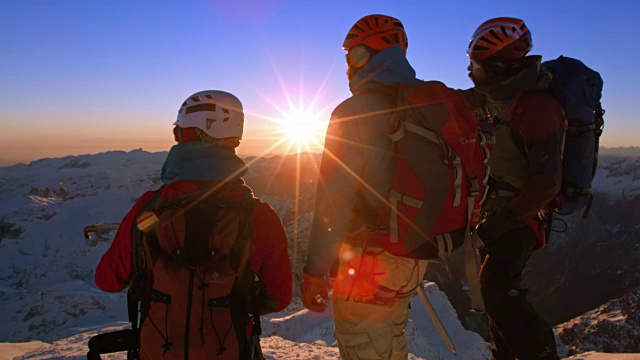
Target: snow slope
(50, 307)
(47, 291)
(297, 333)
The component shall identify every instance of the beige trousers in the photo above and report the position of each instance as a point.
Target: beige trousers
(371, 295)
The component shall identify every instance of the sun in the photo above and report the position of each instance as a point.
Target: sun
(303, 127)
(299, 118)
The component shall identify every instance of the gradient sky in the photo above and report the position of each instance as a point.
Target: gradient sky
(81, 77)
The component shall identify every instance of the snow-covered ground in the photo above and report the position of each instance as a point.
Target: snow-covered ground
(50, 307)
(296, 333)
(47, 293)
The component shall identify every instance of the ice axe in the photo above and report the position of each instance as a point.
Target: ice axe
(436, 320)
(99, 228)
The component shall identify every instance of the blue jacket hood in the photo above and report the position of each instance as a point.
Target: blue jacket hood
(201, 161)
(388, 67)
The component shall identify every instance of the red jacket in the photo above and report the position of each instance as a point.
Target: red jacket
(269, 259)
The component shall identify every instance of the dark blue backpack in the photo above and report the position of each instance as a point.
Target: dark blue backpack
(578, 89)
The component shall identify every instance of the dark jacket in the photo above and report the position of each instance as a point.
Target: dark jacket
(529, 140)
(357, 163)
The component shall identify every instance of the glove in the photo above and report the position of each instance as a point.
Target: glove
(315, 292)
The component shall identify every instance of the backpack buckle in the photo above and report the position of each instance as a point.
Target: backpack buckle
(474, 187)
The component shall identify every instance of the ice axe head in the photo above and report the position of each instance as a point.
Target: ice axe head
(99, 228)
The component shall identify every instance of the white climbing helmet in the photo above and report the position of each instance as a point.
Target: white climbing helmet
(217, 113)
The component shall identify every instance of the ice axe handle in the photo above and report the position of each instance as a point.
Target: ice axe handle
(436, 320)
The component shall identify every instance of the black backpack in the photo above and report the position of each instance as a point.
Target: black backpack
(578, 89)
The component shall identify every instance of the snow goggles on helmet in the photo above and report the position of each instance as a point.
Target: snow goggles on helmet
(358, 56)
(473, 64)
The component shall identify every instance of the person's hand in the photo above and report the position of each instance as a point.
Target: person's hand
(315, 292)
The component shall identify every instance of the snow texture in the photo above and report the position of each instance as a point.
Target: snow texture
(51, 306)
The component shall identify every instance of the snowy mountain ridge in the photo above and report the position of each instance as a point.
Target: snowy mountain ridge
(614, 326)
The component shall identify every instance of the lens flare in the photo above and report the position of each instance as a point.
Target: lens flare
(303, 127)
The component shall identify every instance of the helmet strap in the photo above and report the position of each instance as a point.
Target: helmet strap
(177, 134)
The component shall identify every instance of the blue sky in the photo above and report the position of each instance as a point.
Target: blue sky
(83, 77)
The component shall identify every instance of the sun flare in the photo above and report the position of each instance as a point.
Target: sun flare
(303, 127)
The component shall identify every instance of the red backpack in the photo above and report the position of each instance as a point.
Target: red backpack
(436, 114)
(197, 253)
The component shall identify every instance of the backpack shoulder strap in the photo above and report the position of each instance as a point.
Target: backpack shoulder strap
(242, 248)
(137, 261)
(138, 277)
(504, 118)
(246, 287)
(391, 91)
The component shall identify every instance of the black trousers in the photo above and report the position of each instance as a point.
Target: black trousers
(516, 328)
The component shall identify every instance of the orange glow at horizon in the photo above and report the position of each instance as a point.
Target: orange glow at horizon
(287, 135)
(24, 143)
